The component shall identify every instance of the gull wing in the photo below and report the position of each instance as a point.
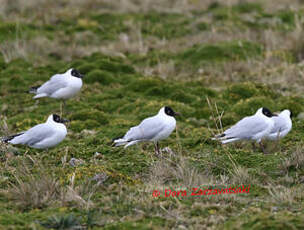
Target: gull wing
(246, 128)
(146, 130)
(56, 82)
(34, 135)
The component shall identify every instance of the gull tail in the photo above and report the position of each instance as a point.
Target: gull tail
(231, 139)
(224, 139)
(219, 136)
(118, 141)
(9, 138)
(34, 89)
(121, 141)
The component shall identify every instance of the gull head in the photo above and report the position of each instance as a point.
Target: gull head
(57, 119)
(169, 111)
(265, 111)
(287, 112)
(75, 73)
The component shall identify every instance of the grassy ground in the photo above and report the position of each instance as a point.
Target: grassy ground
(214, 62)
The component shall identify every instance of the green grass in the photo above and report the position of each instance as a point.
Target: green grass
(224, 75)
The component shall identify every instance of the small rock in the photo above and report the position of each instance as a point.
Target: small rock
(76, 162)
(274, 209)
(301, 116)
(100, 178)
(98, 155)
(168, 150)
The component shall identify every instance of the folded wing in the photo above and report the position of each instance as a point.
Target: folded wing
(146, 130)
(34, 135)
(245, 128)
(55, 83)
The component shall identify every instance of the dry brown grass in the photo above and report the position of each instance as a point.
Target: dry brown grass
(175, 170)
(281, 195)
(35, 186)
(294, 161)
(31, 191)
(273, 67)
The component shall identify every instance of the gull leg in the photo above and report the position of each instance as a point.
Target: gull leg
(262, 147)
(156, 149)
(278, 141)
(62, 106)
(253, 146)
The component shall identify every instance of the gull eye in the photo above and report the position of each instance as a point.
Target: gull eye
(56, 118)
(73, 73)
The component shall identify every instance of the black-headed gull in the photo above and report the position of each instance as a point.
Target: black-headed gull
(154, 129)
(282, 125)
(60, 86)
(253, 128)
(42, 136)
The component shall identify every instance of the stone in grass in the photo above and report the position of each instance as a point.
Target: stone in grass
(98, 155)
(74, 162)
(168, 151)
(301, 116)
(100, 178)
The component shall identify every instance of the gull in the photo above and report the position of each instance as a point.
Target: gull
(253, 128)
(153, 129)
(60, 86)
(282, 125)
(42, 136)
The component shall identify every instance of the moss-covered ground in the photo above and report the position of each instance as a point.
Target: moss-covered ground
(213, 62)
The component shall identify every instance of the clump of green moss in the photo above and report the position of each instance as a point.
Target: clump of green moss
(182, 96)
(245, 90)
(202, 26)
(7, 30)
(164, 25)
(144, 84)
(92, 114)
(267, 220)
(100, 76)
(85, 68)
(250, 105)
(225, 51)
(247, 7)
(114, 67)
(287, 18)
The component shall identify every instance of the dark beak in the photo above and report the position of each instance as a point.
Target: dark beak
(177, 114)
(64, 120)
(81, 76)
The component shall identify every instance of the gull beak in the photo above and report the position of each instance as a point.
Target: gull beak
(177, 114)
(81, 76)
(64, 120)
